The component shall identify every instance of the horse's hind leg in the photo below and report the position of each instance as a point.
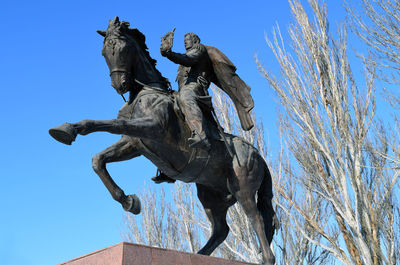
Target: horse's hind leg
(248, 203)
(124, 149)
(264, 205)
(215, 208)
(244, 186)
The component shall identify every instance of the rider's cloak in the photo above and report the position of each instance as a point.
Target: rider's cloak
(227, 79)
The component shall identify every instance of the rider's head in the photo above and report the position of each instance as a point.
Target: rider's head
(191, 41)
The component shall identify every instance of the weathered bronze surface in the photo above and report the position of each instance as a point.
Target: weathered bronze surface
(151, 123)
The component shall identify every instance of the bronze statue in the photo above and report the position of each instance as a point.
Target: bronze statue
(151, 124)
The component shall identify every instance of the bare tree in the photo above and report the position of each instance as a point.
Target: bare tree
(378, 25)
(155, 227)
(337, 147)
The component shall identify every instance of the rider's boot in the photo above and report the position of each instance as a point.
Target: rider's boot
(160, 177)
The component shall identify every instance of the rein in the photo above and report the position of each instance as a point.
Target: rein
(156, 89)
(163, 91)
(147, 90)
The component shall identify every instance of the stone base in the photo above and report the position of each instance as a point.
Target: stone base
(133, 254)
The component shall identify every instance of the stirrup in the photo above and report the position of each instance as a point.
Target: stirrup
(160, 177)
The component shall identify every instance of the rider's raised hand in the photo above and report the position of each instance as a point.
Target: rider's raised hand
(167, 42)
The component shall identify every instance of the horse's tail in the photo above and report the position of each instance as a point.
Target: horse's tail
(264, 205)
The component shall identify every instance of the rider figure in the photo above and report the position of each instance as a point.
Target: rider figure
(198, 67)
(194, 77)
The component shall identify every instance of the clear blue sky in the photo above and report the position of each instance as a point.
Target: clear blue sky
(53, 206)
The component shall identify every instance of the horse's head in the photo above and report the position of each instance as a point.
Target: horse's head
(125, 50)
(118, 52)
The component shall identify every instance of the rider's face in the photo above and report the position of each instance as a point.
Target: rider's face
(188, 42)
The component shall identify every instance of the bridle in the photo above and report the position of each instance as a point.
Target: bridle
(119, 71)
(113, 39)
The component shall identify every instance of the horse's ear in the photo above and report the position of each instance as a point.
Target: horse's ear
(115, 20)
(101, 32)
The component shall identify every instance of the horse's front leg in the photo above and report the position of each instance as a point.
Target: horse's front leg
(126, 148)
(139, 127)
(145, 128)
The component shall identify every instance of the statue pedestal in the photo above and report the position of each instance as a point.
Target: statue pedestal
(133, 254)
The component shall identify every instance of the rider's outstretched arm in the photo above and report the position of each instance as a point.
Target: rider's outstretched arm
(189, 59)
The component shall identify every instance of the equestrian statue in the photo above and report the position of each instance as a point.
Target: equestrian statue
(179, 133)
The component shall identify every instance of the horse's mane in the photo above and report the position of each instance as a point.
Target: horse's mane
(141, 41)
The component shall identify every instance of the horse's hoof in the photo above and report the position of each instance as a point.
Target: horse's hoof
(132, 204)
(65, 133)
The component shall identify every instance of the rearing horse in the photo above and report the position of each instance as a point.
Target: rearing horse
(151, 126)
